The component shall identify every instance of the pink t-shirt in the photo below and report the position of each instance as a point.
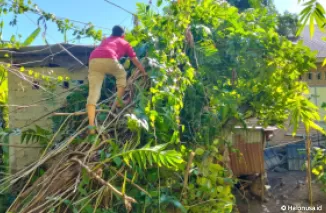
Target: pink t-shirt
(113, 47)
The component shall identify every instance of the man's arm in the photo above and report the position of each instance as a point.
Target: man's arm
(133, 57)
(137, 63)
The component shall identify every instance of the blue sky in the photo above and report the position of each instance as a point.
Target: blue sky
(99, 12)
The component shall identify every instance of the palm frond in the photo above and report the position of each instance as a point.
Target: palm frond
(148, 156)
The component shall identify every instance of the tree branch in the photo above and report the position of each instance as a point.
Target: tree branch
(186, 175)
(129, 181)
(77, 113)
(128, 200)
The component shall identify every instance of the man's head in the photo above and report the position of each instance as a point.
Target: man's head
(118, 31)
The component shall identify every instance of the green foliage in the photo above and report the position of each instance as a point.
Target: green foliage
(4, 133)
(211, 181)
(37, 135)
(288, 25)
(319, 166)
(135, 123)
(148, 156)
(313, 12)
(3, 98)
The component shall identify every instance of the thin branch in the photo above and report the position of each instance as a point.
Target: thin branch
(19, 106)
(186, 175)
(129, 181)
(120, 7)
(21, 146)
(43, 159)
(128, 200)
(78, 113)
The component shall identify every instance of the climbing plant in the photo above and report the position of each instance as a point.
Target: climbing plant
(4, 151)
(318, 166)
(211, 69)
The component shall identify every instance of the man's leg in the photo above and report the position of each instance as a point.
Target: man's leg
(95, 84)
(91, 111)
(117, 70)
(120, 94)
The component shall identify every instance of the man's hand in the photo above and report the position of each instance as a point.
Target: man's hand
(139, 66)
(144, 74)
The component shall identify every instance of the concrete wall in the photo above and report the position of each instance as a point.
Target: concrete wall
(316, 80)
(318, 97)
(316, 77)
(22, 93)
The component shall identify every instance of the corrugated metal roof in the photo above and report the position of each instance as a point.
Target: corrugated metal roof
(293, 150)
(47, 49)
(268, 128)
(252, 160)
(271, 159)
(63, 55)
(316, 43)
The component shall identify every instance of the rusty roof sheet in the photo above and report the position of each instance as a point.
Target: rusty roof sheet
(251, 160)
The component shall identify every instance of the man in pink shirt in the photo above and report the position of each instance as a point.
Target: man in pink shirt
(105, 60)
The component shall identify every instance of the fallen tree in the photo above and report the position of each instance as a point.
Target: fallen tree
(212, 68)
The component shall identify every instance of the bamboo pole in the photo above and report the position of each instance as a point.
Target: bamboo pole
(77, 113)
(308, 149)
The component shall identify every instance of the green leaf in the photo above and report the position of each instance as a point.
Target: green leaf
(117, 161)
(32, 37)
(199, 151)
(172, 200)
(312, 26)
(324, 62)
(159, 3)
(153, 155)
(124, 183)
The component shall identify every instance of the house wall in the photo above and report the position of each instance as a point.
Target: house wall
(316, 81)
(317, 86)
(316, 77)
(22, 93)
(318, 97)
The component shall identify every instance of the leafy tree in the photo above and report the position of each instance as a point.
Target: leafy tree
(288, 25)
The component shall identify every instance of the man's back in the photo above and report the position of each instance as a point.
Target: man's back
(113, 47)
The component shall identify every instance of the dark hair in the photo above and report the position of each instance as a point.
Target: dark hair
(118, 31)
